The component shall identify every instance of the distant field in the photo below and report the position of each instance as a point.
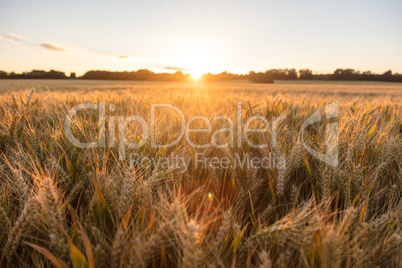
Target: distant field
(349, 89)
(65, 205)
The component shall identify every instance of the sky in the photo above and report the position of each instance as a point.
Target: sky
(200, 36)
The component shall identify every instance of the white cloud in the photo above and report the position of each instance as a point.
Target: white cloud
(121, 57)
(15, 37)
(52, 47)
(174, 68)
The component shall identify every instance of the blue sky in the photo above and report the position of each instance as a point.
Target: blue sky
(202, 36)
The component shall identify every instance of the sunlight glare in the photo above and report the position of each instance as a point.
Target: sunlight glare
(196, 74)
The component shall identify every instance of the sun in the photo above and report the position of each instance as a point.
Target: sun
(195, 56)
(196, 74)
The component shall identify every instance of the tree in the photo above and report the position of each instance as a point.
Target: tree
(305, 74)
(292, 74)
(260, 77)
(3, 75)
(346, 74)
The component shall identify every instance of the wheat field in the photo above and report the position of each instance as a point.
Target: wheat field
(66, 206)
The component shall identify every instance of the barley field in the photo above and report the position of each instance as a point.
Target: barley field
(66, 206)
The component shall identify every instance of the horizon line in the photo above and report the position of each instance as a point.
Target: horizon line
(188, 71)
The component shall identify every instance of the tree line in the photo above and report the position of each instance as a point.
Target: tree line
(140, 75)
(36, 74)
(256, 77)
(306, 74)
